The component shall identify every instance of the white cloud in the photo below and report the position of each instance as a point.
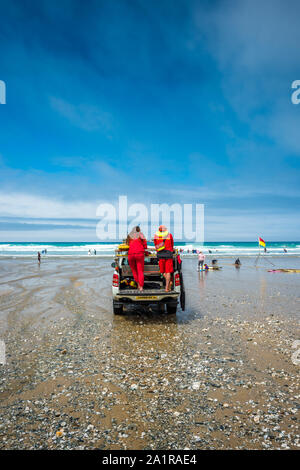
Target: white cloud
(233, 222)
(227, 190)
(26, 205)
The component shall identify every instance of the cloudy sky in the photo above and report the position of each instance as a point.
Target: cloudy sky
(163, 101)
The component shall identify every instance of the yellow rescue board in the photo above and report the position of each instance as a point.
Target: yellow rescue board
(123, 247)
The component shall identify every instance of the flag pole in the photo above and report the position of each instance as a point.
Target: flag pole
(255, 263)
(266, 259)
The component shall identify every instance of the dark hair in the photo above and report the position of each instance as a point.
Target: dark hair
(137, 228)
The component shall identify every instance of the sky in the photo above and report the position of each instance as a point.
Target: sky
(164, 101)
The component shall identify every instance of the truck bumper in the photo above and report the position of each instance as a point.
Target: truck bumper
(146, 298)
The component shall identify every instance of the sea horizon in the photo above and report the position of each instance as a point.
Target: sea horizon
(106, 248)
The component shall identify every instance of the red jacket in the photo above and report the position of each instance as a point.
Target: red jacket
(137, 246)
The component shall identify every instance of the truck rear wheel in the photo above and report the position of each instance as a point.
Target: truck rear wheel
(182, 294)
(118, 309)
(171, 308)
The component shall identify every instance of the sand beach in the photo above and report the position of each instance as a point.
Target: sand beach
(224, 374)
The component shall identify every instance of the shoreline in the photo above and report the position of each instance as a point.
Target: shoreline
(183, 255)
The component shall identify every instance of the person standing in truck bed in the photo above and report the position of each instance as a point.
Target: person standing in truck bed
(136, 255)
(164, 244)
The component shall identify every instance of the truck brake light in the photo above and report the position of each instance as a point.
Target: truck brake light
(115, 282)
(177, 279)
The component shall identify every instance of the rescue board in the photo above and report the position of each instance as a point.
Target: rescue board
(210, 268)
(123, 247)
(283, 270)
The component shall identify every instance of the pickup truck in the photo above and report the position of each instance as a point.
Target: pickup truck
(125, 293)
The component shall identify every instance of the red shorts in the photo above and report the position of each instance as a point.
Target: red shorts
(166, 265)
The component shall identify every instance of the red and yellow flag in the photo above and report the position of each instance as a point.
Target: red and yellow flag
(261, 242)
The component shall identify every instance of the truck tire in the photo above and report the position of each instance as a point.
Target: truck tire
(118, 309)
(182, 300)
(182, 293)
(171, 308)
(161, 308)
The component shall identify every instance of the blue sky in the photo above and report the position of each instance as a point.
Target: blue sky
(164, 101)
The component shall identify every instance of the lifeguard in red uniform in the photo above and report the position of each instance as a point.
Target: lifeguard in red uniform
(164, 244)
(136, 255)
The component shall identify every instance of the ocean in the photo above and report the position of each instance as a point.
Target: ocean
(77, 249)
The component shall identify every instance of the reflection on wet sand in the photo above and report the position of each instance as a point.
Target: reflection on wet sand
(201, 279)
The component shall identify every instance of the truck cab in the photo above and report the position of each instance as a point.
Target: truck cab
(124, 291)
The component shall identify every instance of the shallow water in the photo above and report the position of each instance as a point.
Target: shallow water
(28, 290)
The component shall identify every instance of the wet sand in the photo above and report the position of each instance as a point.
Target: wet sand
(221, 375)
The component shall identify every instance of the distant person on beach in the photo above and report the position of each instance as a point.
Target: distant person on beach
(95, 252)
(136, 255)
(284, 250)
(39, 257)
(164, 244)
(265, 249)
(237, 263)
(201, 259)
